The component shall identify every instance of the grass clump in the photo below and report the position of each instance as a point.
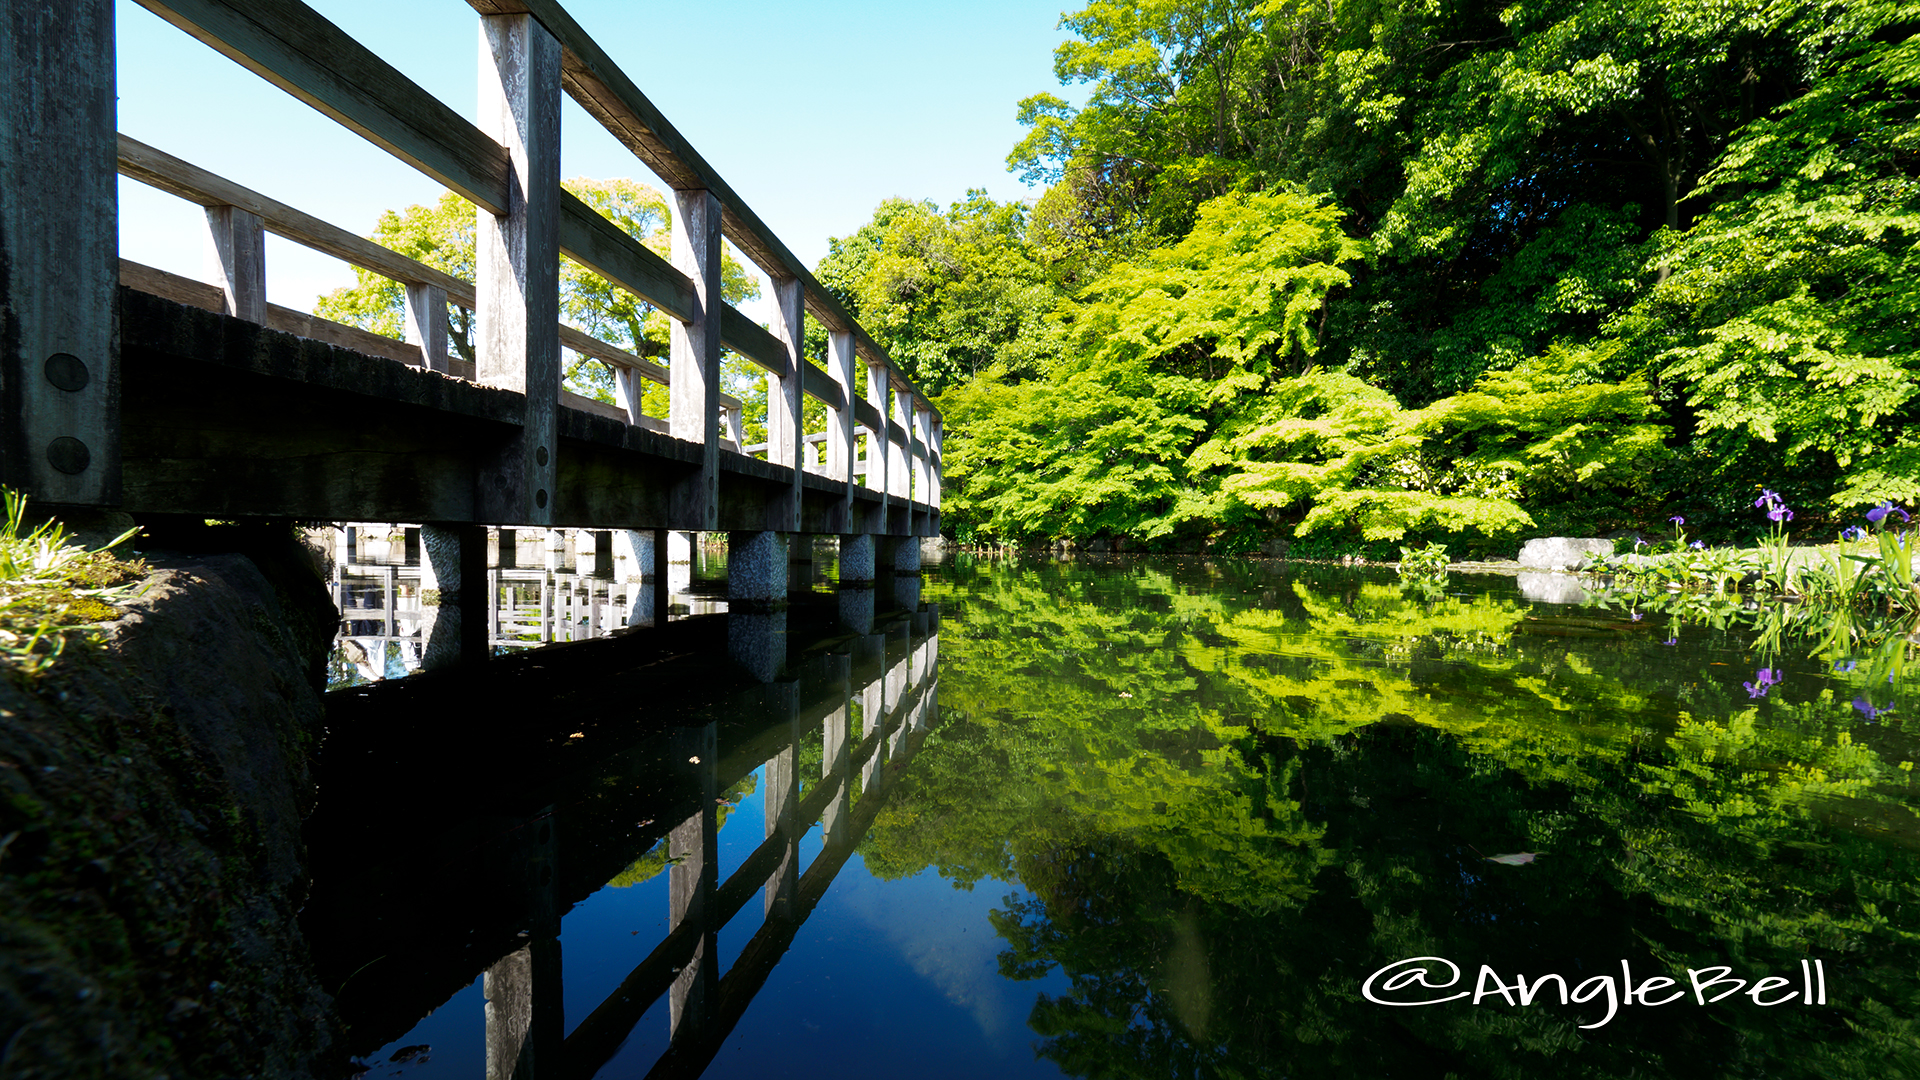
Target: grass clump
(51, 587)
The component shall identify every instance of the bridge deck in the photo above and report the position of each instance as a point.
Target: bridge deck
(225, 418)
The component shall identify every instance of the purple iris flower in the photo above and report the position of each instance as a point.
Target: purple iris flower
(1677, 520)
(1841, 667)
(1853, 532)
(1866, 708)
(1671, 641)
(1767, 498)
(1780, 513)
(1763, 680)
(1879, 513)
(1697, 545)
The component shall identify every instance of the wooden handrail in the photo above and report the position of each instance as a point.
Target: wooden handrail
(538, 52)
(291, 46)
(598, 84)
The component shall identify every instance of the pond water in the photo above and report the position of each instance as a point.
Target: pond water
(1165, 818)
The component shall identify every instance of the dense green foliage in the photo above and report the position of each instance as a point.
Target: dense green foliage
(1232, 792)
(1368, 268)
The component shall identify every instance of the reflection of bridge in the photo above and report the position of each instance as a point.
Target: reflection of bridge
(442, 875)
(135, 389)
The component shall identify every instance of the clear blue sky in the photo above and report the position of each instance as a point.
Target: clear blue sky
(814, 113)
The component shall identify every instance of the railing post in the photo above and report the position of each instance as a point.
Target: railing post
(237, 260)
(840, 426)
(629, 392)
(922, 439)
(427, 324)
(517, 261)
(880, 456)
(694, 371)
(935, 457)
(783, 399)
(59, 243)
(900, 476)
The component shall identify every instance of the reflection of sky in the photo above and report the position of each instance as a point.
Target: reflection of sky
(883, 975)
(888, 975)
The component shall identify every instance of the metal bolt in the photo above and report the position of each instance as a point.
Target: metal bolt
(540, 498)
(540, 455)
(69, 455)
(67, 371)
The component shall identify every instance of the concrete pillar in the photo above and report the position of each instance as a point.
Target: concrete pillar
(603, 555)
(756, 571)
(454, 595)
(757, 641)
(856, 559)
(855, 609)
(899, 554)
(517, 261)
(906, 592)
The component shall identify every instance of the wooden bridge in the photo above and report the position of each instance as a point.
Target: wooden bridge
(133, 389)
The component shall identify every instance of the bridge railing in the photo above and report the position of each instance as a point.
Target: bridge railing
(60, 235)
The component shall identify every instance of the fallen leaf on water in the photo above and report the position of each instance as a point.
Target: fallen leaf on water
(1518, 859)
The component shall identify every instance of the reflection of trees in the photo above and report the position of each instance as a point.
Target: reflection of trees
(1287, 800)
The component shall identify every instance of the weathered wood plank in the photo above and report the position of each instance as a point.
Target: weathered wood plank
(184, 290)
(752, 341)
(517, 260)
(868, 415)
(426, 318)
(840, 424)
(59, 237)
(292, 46)
(784, 399)
(170, 174)
(237, 260)
(589, 239)
(820, 386)
(693, 396)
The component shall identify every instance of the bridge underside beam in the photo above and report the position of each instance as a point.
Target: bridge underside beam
(224, 418)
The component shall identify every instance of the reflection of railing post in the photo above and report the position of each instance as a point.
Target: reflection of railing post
(782, 804)
(873, 720)
(836, 760)
(693, 847)
(526, 1021)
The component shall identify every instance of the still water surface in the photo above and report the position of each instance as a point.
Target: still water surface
(1153, 818)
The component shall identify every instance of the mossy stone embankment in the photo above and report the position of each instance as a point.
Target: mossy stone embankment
(152, 785)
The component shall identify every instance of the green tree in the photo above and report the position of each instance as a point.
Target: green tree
(949, 295)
